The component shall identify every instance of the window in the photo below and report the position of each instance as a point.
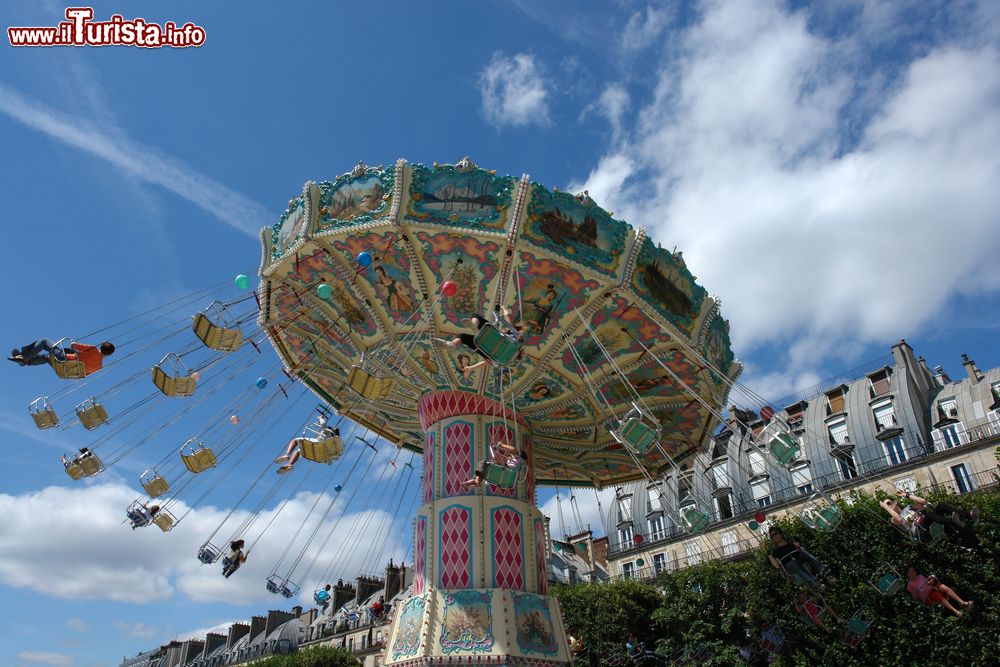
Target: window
(656, 528)
(885, 417)
(729, 546)
(684, 497)
(724, 507)
(364, 641)
(948, 436)
(801, 477)
(835, 402)
(628, 570)
(895, 452)
(761, 491)
(625, 537)
(848, 470)
(720, 477)
(879, 383)
(624, 508)
(659, 563)
(693, 552)
(350, 644)
(757, 465)
(963, 481)
(948, 409)
(796, 413)
(838, 431)
(655, 504)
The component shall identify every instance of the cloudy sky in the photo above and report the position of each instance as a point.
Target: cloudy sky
(829, 170)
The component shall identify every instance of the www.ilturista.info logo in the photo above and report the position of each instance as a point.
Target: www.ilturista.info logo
(81, 30)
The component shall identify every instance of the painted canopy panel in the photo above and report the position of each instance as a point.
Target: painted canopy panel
(607, 317)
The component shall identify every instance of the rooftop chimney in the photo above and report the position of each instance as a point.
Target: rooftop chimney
(213, 640)
(257, 625)
(970, 369)
(940, 376)
(276, 618)
(342, 594)
(236, 631)
(365, 587)
(393, 580)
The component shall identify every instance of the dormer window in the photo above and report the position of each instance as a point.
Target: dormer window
(836, 401)
(879, 383)
(624, 508)
(796, 414)
(655, 504)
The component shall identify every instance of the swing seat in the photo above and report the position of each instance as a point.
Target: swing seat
(164, 520)
(67, 369)
(91, 414)
(42, 413)
(197, 457)
(273, 583)
(502, 476)
(322, 451)
(820, 513)
(369, 386)
(773, 640)
(693, 519)
(214, 335)
(179, 384)
(321, 596)
(857, 628)
(495, 346)
(153, 483)
(208, 553)
(289, 590)
(81, 466)
(636, 434)
(138, 515)
(784, 448)
(887, 581)
(936, 532)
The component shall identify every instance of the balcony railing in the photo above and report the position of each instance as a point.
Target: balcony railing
(745, 507)
(734, 551)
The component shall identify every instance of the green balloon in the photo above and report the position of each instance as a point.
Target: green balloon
(640, 562)
(242, 281)
(753, 525)
(323, 291)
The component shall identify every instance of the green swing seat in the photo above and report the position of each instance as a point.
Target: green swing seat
(502, 476)
(495, 346)
(91, 414)
(820, 513)
(784, 448)
(886, 580)
(693, 519)
(638, 430)
(42, 413)
(857, 628)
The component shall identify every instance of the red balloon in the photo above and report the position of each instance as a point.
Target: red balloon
(638, 539)
(448, 288)
(759, 517)
(766, 413)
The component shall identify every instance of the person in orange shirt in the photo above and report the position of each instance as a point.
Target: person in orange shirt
(38, 353)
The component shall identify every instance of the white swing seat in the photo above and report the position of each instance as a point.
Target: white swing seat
(180, 383)
(197, 457)
(42, 413)
(501, 349)
(208, 553)
(369, 386)
(214, 334)
(153, 483)
(91, 414)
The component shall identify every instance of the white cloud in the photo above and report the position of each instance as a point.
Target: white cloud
(77, 624)
(199, 633)
(644, 27)
(513, 91)
(139, 161)
(108, 560)
(136, 630)
(45, 658)
(586, 510)
(743, 159)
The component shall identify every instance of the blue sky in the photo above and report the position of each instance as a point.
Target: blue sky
(829, 170)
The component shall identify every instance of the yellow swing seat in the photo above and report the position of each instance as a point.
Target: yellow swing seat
(42, 413)
(91, 414)
(324, 450)
(197, 457)
(81, 466)
(67, 369)
(214, 334)
(153, 483)
(180, 383)
(164, 520)
(369, 386)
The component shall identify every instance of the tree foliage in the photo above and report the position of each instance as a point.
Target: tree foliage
(715, 604)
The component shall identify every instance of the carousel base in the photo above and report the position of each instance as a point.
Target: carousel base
(477, 627)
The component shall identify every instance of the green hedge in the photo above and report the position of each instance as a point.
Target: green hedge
(317, 656)
(713, 605)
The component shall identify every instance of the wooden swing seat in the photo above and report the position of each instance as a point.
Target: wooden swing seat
(153, 483)
(84, 466)
(173, 385)
(326, 450)
(91, 414)
(214, 336)
(199, 459)
(164, 520)
(42, 413)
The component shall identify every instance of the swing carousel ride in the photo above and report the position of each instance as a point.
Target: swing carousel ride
(598, 358)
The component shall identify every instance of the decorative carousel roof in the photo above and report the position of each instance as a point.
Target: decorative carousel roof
(573, 274)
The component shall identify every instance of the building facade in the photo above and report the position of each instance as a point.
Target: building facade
(894, 423)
